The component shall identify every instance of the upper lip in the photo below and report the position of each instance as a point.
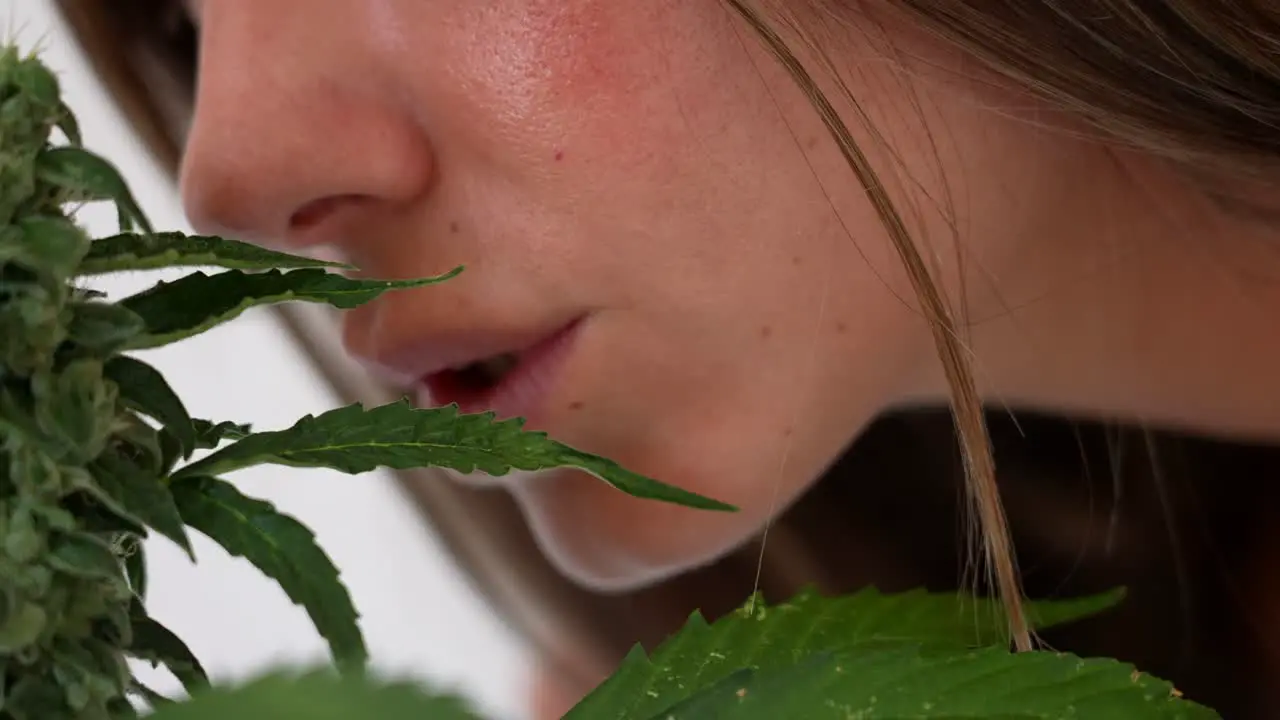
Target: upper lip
(411, 362)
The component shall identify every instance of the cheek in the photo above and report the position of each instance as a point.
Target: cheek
(577, 47)
(592, 51)
(542, 55)
(577, 77)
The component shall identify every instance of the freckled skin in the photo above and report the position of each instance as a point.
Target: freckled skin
(645, 165)
(621, 160)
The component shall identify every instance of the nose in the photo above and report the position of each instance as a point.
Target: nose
(298, 135)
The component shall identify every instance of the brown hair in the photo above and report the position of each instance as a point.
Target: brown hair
(1090, 505)
(1191, 81)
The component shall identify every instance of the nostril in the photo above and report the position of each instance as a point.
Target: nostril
(315, 212)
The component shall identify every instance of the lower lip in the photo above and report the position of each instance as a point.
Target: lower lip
(522, 392)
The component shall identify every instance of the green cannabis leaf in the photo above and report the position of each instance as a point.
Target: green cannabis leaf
(398, 435)
(157, 645)
(210, 434)
(84, 177)
(136, 251)
(894, 682)
(317, 696)
(100, 327)
(140, 495)
(284, 550)
(197, 302)
(145, 390)
(762, 636)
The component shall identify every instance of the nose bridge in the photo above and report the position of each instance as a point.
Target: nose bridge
(285, 124)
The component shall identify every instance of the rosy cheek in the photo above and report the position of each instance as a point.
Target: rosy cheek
(580, 46)
(564, 57)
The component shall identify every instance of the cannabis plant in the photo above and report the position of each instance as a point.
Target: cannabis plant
(96, 449)
(97, 452)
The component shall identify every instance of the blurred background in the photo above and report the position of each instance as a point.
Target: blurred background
(421, 617)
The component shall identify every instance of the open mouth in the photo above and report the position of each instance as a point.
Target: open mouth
(470, 384)
(512, 383)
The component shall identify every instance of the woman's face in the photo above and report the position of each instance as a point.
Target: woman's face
(637, 193)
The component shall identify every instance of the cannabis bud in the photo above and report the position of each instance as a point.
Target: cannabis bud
(69, 442)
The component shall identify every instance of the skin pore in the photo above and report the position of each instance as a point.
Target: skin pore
(647, 169)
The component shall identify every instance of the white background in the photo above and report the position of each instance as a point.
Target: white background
(420, 617)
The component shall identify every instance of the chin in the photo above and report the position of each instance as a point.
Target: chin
(610, 542)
